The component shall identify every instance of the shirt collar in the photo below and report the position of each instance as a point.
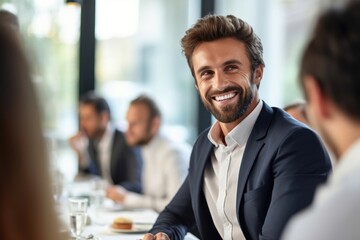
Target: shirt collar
(240, 134)
(107, 136)
(153, 141)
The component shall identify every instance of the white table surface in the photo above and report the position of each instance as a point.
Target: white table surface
(138, 216)
(102, 218)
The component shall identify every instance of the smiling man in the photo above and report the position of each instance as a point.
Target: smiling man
(256, 166)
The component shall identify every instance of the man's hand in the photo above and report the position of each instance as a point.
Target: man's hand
(158, 236)
(116, 193)
(78, 143)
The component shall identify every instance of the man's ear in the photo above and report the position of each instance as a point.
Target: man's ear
(258, 74)
(155, 125)
(105, 118)
(317, 99)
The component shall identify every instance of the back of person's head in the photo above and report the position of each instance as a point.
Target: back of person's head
(26, 205)
(7, 17)
(150, 104)
(212, 27)
(100, 104)
(332, 57)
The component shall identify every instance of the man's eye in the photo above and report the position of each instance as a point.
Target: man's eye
(205, 74)
(231, 68)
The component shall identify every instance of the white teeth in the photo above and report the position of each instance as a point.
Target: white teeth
(224, 97)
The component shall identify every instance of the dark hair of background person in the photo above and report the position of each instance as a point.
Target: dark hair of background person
(332, 57)
(211, 28)
(150, 104)
(26, 203)
(100, 104)
(7, 17)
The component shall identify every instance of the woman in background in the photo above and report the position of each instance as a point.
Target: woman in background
(26, 207)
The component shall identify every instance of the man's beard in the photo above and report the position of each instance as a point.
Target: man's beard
(144, 141)
(96, 135)
(229, 113)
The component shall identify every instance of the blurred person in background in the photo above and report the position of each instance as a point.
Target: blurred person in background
(255, 167)
(10, 18)
(102, 149)
(297, 111)
(330, 76)
(26, 205)
(165, 161)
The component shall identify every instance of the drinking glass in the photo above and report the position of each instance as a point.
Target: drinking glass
(97, 194)
(78, 215)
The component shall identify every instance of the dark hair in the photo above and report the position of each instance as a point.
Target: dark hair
(149, 103)
(332, 57)
(100, 104)
(212, 27)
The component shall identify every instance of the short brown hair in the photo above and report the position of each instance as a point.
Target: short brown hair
(150, 104)
(212, 27)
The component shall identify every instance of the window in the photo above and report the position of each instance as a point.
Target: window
(138, 51)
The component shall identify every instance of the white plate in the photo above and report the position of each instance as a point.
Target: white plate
(137, 228)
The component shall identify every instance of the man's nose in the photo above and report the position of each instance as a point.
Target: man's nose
(219, 81)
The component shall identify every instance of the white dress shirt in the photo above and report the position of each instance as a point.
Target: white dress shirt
(335, 213)
(104, 148)
(165, 165)
(222, 174)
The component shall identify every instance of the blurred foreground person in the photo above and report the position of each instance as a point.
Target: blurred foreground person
(330, 76)
(102, 149)
(255, 167)
(165, 161)
(26, 207)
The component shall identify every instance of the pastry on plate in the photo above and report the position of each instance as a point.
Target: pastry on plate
(122, 223)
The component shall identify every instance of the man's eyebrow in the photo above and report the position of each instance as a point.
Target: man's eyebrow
(202, 69)
(233, 61)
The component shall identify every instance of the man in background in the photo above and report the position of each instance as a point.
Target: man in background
(330, 76)
(165, 161)
(102, 149)
(297, 111)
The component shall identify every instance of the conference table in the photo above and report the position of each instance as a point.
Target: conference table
(101, 217)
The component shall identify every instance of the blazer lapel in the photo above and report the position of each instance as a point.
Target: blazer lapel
(203, 158)
(202, 213)
(253, 147)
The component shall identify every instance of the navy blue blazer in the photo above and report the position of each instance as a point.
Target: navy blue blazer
(283, 163)
(125, 164)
